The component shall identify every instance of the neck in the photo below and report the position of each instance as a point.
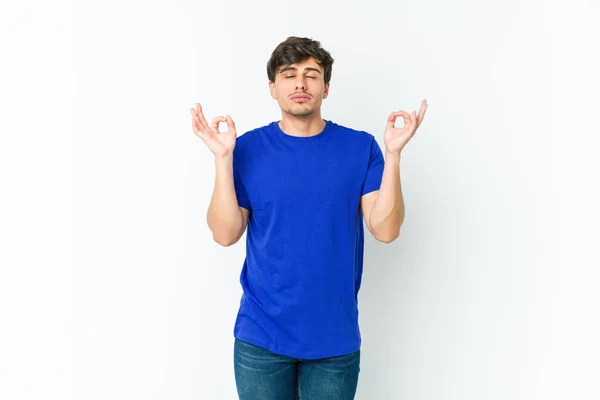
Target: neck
(302, 126)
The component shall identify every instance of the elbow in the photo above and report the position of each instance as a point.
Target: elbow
(225, 242)
(389, 230)
(387, 239)
(225, 236)
(227, 239)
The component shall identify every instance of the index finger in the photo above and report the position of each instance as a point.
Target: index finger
(406, 116)
(215, 123)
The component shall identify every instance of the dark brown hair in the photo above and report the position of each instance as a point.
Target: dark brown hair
(295, 50)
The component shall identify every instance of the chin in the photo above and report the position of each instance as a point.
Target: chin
(301, 111)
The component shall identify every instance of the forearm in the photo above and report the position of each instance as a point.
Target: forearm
(224, 216)
(387, 213)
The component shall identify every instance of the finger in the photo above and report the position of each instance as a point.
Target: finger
(215, 123)
(391, 119)
(230, 124)
(198, 128)
(195, 121)
(196, 116)
(415, 121)
(422, 112)
(201, 119)
(405, 115)
(197, 131)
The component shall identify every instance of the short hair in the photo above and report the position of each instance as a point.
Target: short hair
(294, 50)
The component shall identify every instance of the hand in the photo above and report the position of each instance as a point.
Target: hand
(396, 138)
(220, 143)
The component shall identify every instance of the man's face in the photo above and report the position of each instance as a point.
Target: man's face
(300, 88)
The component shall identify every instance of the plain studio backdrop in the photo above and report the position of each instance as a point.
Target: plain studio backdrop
(111, 286)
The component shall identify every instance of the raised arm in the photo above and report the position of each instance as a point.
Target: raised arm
(226, 219)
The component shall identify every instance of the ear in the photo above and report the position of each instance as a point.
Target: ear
(272, 90)
(326, 93)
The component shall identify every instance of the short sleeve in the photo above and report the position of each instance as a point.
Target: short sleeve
(374, 170)
(240, 189)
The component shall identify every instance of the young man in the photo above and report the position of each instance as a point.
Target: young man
(302, 186)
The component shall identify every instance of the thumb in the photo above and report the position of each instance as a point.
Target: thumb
(230, 123)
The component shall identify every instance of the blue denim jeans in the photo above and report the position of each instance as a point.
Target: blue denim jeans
(263, 375)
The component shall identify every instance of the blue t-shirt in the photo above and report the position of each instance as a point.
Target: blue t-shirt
(305, 237)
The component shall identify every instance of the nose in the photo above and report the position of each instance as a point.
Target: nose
(300, 82)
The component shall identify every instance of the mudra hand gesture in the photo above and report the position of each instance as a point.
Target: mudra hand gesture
(220, 143)
(396, 138)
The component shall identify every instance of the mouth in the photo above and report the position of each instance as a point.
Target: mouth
(300, 99)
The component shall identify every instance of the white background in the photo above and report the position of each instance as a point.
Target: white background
(111, 286)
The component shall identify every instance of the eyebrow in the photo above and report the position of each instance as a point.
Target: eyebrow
(296, 69)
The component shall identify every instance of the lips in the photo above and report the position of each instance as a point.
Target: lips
(300, 98)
